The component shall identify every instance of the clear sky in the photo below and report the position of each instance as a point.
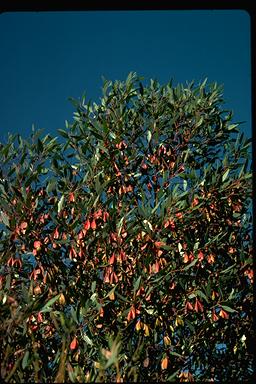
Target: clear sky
(45, 57)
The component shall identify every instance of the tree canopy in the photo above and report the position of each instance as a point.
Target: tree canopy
(126, 246)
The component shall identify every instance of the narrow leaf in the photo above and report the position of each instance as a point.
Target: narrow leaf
(225, 175)
(24, 363)
(202, 295)
(228, 309)
(4, 218)
(47, 306)
(60, 203)
(137, 283)
(191, 264)
(93, 286)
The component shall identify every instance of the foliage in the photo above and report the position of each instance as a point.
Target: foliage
(126, 248)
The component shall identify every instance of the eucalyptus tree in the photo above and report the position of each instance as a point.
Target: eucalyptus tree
(126, 247)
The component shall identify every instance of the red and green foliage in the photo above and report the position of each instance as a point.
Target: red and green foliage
(126, 247)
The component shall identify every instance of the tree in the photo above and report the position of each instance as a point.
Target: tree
(126, 247)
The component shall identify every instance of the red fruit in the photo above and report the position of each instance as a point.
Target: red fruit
(74, 344)
(105, 216)
(87, 225)
(156, 266)
(140, 291)
(112, 259)
(132, 313)
(144, 246)
(144, 167)
(172, 224)
(198, 306)
(200, 256)
(117, 171)
(181, 168)
(166, 224)
(97, 214)
(158, 244)
(121, 145)
(37, 290)
(195, 202)
(72, 253)
(101, 312)
(93, 224)
(188, 306)
(23, 227)
(214, 316)
(18, 262)
(211, 259)
(71, 197)
(80, 235)
(10, 261)
(115, 278)
(164, 363)
(37, 245)
(56, 234)
(106, 276)
(224, 314)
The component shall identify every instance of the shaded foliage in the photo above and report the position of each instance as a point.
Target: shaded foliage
(126, 249)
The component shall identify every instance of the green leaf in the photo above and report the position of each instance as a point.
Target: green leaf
(228, 309)
(112, 135)
(232, 126)
(60, 203)
(190, 325)
(7, 282)
(24, 363)
(46, 307)
(191, 264)
(199, 122)
(86, 338)
(4, 218)
(137, 284)
(150, 311)
(196, 245)
(96, 134)
(176, 354)
(55, 164)
(149, 136)
(232, 294)
(51, 186)
(93, 286)
(180, 249)
(120, 225)
(173, 377)
(225, 175)
(40, 146)
(202, 295)
(228, 269)
(74, 315)
(208, 288)
(63, 133)
(94, 298)
(120, 296)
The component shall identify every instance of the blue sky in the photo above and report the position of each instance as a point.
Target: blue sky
(47, 57)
